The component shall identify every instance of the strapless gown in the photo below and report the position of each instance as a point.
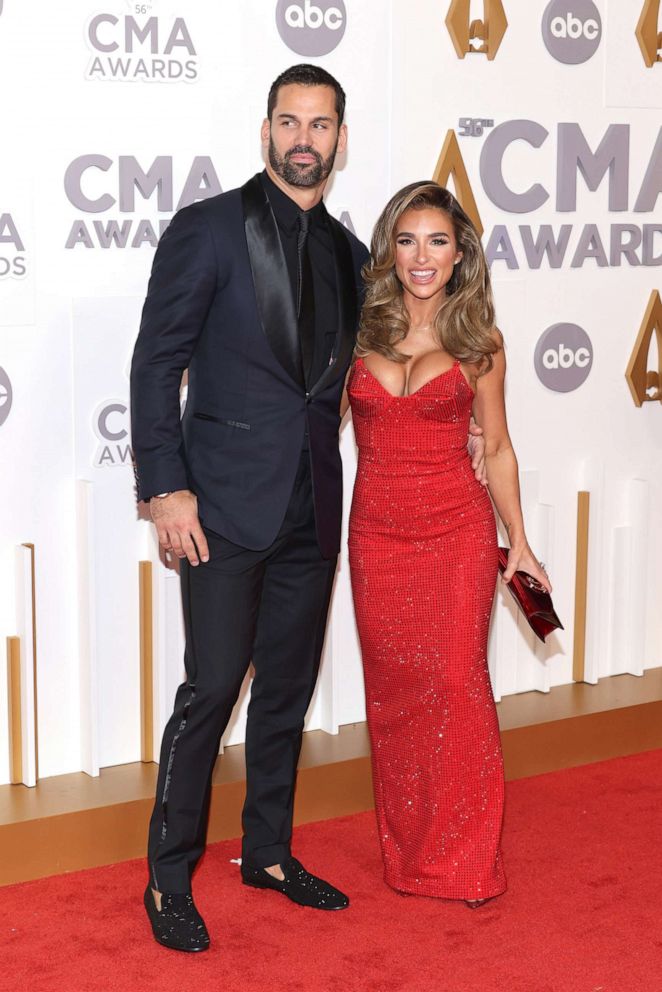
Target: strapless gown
(423, 560)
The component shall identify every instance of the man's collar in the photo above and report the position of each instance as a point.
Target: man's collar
(286, 210)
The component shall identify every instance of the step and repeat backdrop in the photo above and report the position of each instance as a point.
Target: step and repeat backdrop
(545, 119)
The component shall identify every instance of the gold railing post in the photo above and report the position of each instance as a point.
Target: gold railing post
(14, 709)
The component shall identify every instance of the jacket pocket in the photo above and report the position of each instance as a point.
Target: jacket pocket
(221, 420)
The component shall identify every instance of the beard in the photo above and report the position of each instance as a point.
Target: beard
(298, 174)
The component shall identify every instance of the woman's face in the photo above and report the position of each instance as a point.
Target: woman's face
(425, 252)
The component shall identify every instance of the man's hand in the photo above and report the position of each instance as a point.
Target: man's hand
(476, 448)
(178, 526)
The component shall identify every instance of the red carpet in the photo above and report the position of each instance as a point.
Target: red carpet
(583, 912)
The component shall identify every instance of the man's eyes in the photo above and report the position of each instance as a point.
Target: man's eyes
(319, 125)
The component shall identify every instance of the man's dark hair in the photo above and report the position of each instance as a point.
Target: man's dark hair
(307, 75)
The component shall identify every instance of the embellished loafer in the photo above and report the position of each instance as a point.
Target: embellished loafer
(298, 885)
(178, 924)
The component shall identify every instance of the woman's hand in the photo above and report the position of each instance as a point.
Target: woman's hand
(523, 560)
(476, 449)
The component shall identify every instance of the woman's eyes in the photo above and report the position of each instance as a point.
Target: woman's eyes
(437, 242)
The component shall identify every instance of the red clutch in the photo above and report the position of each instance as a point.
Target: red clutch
(533, 600)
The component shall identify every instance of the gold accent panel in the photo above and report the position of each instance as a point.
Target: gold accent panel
(581, 586)
(146, 662)
(639, 378)
(14, 708)
(649, 38)
(34, 657)
(490, 30)
(451, 163)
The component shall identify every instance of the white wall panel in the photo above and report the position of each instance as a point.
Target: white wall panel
(88, 660)
(25, 609)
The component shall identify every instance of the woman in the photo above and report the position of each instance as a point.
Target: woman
(423, 548)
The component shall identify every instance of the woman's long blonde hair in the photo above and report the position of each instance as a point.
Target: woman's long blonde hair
(464, 324)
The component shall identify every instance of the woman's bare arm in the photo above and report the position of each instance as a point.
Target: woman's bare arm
(502, 471)
(344, 402)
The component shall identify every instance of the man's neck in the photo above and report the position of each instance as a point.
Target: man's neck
(305, 197)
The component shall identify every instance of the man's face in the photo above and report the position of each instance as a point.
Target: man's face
(303, 136)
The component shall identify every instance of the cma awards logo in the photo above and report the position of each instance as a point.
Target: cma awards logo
(112, 428)
(139, 46)
(110, 423)
(13, 259)
(98, 184)
(518, 192)
(563, 357)
(311, 27)
(572, 30)
(6, 392)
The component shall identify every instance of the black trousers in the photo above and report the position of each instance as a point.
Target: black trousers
(269, 607)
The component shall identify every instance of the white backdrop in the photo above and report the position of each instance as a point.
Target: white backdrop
(119, 111)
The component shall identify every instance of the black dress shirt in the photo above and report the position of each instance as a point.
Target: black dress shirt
(320, 250)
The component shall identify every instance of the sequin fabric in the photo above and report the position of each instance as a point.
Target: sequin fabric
(298, 885)
(177, 924)
(423, 560)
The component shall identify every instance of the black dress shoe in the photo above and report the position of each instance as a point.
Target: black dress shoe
(298, 885)
(178, 925)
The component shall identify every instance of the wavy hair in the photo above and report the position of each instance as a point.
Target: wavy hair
(465, 322)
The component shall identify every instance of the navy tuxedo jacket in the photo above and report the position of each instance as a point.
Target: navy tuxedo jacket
(219, 303)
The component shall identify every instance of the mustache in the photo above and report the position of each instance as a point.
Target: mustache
(304, 150)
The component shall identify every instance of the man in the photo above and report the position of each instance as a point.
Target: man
(256, 292)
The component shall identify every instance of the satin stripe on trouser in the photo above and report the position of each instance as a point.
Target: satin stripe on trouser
(269, 607)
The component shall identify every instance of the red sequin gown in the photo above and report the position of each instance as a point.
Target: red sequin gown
(423, 559)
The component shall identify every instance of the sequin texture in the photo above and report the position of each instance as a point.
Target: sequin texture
(178, 923)
(423, 560)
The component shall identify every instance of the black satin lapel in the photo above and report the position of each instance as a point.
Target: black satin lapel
(347, 307)
(270, 279)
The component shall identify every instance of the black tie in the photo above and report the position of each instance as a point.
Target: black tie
(305, 297)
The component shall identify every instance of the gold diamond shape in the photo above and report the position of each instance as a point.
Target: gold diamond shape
(645, 384)
(490, 30)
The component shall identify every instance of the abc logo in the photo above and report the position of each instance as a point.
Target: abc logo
(563, 357)
(571, 30)
(311, 27)
(5, 396)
